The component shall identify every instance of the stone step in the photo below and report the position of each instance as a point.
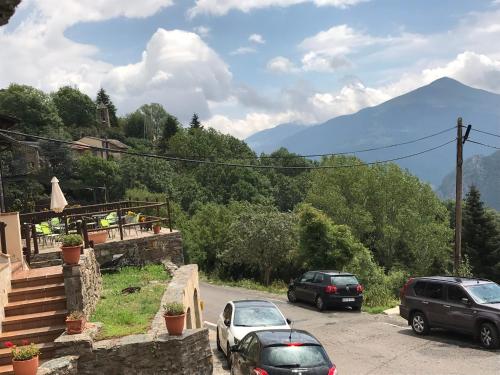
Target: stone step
(42, 257)
(36, 335)
(36, 320)
(35, 306)
(46, 263)
(32, 281)
(36, 292)
(47, 351)
(6, 370)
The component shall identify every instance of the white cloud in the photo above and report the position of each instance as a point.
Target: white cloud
(222, 7)
(243, 51)
(256, 38)
(281, 64)
(202, 31)
(313, 61)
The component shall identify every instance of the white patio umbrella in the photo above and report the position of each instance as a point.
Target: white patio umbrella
(57, 200)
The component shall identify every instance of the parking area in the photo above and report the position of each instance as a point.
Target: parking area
(361, 343)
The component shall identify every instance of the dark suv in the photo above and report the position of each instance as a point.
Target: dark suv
(327, 289)
(462, 304)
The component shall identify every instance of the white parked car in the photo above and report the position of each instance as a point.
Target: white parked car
(242, 317)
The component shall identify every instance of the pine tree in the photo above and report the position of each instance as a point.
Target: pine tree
(170, 128)
(103, 98)
(195, 122)
(480, 237)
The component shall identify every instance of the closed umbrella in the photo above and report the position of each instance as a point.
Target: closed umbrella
(57, 200)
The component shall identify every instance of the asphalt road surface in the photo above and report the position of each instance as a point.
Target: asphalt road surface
(361, 343)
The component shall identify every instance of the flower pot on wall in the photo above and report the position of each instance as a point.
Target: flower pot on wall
(71, 254)
(175, 324)
(74, 326)
(98, 237)
(28, 367)
(156, 229)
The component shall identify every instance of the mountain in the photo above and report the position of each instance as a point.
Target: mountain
(266, 140)
(424, 111)
(481, 171)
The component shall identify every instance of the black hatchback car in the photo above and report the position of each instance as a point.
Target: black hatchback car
(466, 305)
(327, 289)
(280, 352)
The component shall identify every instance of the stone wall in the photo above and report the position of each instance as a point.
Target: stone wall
(144, 250)
(5, 275)
(83, 283)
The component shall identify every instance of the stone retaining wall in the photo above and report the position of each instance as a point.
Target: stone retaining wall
(83, 283)
(143, 250)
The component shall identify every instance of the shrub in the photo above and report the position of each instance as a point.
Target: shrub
(76, 315)
(173, 309)
(69, 240)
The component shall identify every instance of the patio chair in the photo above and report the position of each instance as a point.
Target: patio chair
(104, 223)
(56, 225)
(112, 218)
(134, 220)
(47, 232)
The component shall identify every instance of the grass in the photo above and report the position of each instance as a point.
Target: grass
(277, 287)
(379, 309)
(126, 314)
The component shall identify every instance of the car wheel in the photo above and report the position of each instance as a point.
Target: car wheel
(292, 297)
(320, 304)
(488, 335)
(228, 355)
(219, 348)
(419, 323)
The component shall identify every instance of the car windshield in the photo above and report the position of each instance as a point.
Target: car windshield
(302, 356)
(258, 316)
(344, 280)
(485, 293)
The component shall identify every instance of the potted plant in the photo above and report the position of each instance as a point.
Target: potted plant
(98, 237)
(75, 322)
(174, 318)
(24, 358)
(156, 228)
(71, 246)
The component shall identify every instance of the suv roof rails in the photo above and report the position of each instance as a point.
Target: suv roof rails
(459, 279)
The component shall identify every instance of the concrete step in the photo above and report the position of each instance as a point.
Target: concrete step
(6, 370)
(37, 280)
(36, 335)
(35, 306)
(47, 351)
(46, 263)
(36, 320)
(42, 257)
(36, 292)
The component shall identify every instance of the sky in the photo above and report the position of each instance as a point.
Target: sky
(249, 65)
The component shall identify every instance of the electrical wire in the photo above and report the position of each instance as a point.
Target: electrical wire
(226, 164)
(483, 144)
(485, 132)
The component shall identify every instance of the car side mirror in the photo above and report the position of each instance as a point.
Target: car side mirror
(466, 301)
(227, 322)
(234, 349)
(288, 321)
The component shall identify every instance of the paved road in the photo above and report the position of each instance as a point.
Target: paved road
(361, 343)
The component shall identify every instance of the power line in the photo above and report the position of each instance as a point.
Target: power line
(485, 132)
(226, 164)
(483, 144)
(358, 151)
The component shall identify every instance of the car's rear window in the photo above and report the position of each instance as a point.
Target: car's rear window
(344, 280)
(303, 356)
(258, 316)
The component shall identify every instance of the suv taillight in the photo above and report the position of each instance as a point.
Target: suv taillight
(359, 289)
(330, 289)
(333, 371)
(402, 292)
(259, 371)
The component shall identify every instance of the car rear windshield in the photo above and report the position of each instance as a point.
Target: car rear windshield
(344, 280)
(485, 293)
(302, 356)
(258, 316)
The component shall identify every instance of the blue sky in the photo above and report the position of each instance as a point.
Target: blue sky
(308, 61)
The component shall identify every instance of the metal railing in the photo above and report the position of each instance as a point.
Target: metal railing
(86, 219)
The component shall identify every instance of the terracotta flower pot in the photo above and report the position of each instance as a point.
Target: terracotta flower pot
(71, 254)
(98, 237)
(74, 327)
(29, 367)
(175, 324)
(156, 229)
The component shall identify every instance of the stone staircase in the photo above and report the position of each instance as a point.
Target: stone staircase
(36, 312)
(51, 259)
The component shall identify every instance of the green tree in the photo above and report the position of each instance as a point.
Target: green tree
(263, 238)
(103, 98)
(481, 237)
(93, 171)
(195, 122)
(170, 128)
(35, 109)
(146, 122)
(77, 110)
(154, 175)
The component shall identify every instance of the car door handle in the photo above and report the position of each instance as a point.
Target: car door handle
(425, 302)
(447, 306)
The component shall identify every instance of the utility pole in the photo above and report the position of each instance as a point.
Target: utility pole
(461, 139)
(458, 200)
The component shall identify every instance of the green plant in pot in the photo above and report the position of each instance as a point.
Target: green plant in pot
(156, 227)
(71, 247)
(75, 322)
(174, 318)
(24, 358)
